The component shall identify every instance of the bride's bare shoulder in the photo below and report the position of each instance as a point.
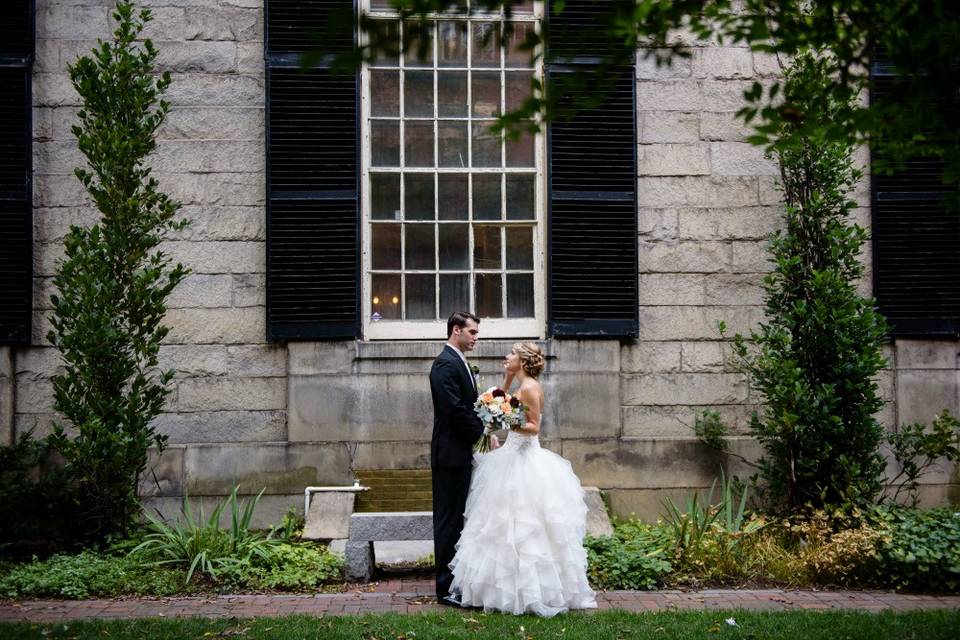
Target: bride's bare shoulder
(531, 386)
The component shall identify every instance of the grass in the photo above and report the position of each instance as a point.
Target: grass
(916, 625)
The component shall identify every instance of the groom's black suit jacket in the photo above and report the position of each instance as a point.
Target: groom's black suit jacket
(455, 426)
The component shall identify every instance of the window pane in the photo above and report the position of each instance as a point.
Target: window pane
(418, 198)
(421, 290)
(520, 295)
(454, 293)
(420, 39)
(452, 94)
(392, 30)
(515, 57)
(486, 146)
(522, 7)
(452, 196)
(486, 247)
(486, 44)
(486, 94)
(519, 248)
(385, 196)
(385, 297)
(453, 44)
(489, 295)
(418, 94)
(486, 196)
(517, 88)
(452, 143)
(520, 151)
(385, 143)
(454, 247)
(419, 248)
(418, 144)
(520, 197)
(384, 93)
(385, 246)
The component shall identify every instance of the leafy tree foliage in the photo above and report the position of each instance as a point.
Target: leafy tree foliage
(113, 282)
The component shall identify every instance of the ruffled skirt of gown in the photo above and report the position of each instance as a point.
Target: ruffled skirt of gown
(521, 550)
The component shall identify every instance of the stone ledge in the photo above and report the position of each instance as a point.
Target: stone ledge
(395, 525)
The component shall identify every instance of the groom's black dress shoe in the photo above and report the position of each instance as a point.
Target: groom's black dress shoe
(448, 601)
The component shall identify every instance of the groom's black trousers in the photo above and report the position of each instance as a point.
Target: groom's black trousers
(450, 487)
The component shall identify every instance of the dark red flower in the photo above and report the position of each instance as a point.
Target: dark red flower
(499, 393)
(514, 402)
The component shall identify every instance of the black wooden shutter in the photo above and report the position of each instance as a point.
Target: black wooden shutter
(313, 221)
(916, 239)
(16, 206)
(592, 191)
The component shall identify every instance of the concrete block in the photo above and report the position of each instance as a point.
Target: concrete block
(704, 357)
(194, 360)
(216, 326)
(670, 95)
(54, 90)
(667, 126)
(197, 57)
(648, 357)
(269, 512)
(7, 411)
(768, 64)
(218, 257)
(282, 467)
(684, 257)
(750, 257)
(923, 393)
(647, 505)
(927, 354)
(740, 159)
(35, 363)
(223, 223)
(33, 396)
(673, 159)
(399, 525)
(312, 358)
(734, 289)
(198, 89)
(52, 225)
(57, 157)
(226, 23)
(574, 412)
(68, 22)
(770, 191)
(359, 558)
(654, 463)
(222, 393)
(249, 290)
(164, 473)
(209, 156)
(725, 95)
(695, 323)
(329, 515)
(40, 425)
(648, 69)
(214, 123)
(723, 62)
(657, 224)
(697, 191)
(391, 455)
(671, 289)
(265, 360)
(202, 290)
(598, 522)
(684, 388)
(677, 421)
(723, 125)
(250, 57)
(223, 426)
(581, 356)
(737, 223)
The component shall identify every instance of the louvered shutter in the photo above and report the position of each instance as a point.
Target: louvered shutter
(312, 177)
(592, 189)
(16, 236)
(916, 239)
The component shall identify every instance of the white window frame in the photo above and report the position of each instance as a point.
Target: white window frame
(437, 329)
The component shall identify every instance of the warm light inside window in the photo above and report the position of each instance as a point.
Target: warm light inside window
(376, 299)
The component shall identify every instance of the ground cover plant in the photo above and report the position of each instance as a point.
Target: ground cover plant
(927, 625)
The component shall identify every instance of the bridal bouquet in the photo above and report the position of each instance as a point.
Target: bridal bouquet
(497, 410)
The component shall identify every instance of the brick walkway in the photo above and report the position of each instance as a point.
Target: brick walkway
(416, 596)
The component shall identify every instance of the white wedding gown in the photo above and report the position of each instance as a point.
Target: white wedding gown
(521, 550)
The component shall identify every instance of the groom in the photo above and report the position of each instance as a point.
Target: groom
(455, 430)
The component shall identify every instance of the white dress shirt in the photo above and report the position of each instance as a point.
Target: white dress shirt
(463, 358)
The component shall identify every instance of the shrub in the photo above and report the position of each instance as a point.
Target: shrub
(290, 567)
(634, 558)
(920, 549)
(112, 284)
(917, 448)
(205, 548)
(86, 575)
(832, 549)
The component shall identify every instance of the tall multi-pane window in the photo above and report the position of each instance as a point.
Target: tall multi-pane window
(452, 211)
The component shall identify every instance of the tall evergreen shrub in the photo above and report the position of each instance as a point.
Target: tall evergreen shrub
(815, 359)
(113, 282)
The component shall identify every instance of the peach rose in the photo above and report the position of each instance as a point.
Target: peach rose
(487, 398)
(505, 407)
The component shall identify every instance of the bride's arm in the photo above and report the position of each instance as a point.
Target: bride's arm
(531, 404)
(507, 379)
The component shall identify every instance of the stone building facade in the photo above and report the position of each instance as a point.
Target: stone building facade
(284, 415)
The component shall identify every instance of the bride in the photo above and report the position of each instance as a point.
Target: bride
(521, 549)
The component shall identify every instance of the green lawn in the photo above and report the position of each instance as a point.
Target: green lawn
(926, 625)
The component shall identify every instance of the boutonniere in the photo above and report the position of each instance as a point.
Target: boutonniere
(475, 370)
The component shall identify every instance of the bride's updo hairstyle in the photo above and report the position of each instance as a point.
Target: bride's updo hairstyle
(531, 358)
